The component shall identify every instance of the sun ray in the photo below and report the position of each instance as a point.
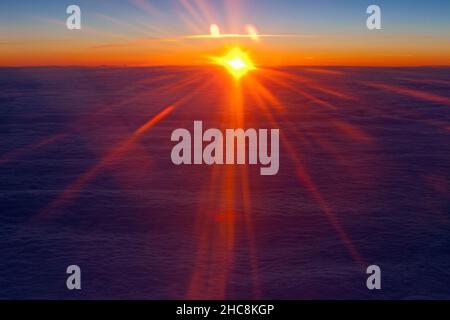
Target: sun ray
(411, 93)
(71, 191)
(305, 178)
(19, 152)
(74, 188)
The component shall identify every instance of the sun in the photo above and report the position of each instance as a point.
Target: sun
(236, 61)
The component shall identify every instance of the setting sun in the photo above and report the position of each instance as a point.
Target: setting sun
(236, 62)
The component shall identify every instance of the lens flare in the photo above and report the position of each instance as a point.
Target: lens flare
(237, 62)
(215, 31)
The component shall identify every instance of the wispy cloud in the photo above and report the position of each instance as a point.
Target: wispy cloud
(140, 42)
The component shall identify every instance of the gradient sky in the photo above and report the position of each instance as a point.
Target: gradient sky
(146, 32)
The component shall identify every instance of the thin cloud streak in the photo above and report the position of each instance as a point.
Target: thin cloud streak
(201, 37)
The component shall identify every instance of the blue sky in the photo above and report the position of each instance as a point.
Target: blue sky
(320, 16)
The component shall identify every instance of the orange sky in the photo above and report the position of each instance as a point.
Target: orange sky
(156, 37)
(323, 50)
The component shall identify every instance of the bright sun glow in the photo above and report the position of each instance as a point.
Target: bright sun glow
(236, 62)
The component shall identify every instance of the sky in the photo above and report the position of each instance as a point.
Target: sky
(160, 32)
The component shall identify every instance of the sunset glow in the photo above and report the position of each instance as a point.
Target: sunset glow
(185, 32)
(236, 62)
(224, 150)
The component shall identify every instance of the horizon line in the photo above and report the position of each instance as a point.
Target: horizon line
(206, 65)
